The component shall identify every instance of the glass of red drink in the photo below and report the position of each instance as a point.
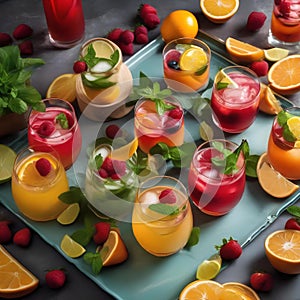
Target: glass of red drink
(212, 191)
(57, 126)
(65, 21)
(235, 98)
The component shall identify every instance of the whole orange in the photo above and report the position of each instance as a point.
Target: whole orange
(178, 24)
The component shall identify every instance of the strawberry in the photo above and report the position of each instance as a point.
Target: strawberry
(5, 39)
(79, 66)
(43, 166)
(127, 49)
(126, 37)
(256, 20)
(146, 9)
(113, 131)
(292, 223)
(22, 31)
(262, 282)
(151, 21)
(46, 129)
(141, 29)
(5, 232)
(55, 279)
(141, 38)
(26, 47)
(114, 35)
(102, 232)
(167, 196)
(230, 249)
(22, 237)
(261, 68)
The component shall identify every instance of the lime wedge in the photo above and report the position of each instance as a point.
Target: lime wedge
(275, 54)
(71, 247)
(209, 268)
(7, 159)
(69, 215)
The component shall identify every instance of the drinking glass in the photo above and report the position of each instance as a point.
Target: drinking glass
(65, 21)
(283, 154)
(235, 105)
(285, 25)
(212, 191)
(186, 63)
(57, 126)
(35, 194)
(162, 219)
(151, 127)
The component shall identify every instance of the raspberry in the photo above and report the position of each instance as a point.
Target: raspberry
(5, 232)
(261, 68)
(108, 166)
(79, 66)
(141, 38)
(119, 167)
(126, 37)
(175, 113)
(22, 31)
(172, 58)
(127, 49)
(113, 131)
(141, 29)
(115, 176)
(277, 2)
(5, 39)
(103, 173)
(256, 20)
(43, 166)
(114, 35)
(102, 232)
(46, 129)
(146, 9)
(26, 47)
(285, 8)
(167, 196)
(151, 21)
(55, 279)
(22, 237)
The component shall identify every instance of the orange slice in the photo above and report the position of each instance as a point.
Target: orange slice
(271, 181)
(193, 59)
(238, 291)
(114, 250)
(284, 75)
(15, 280)
(268, 102)
(242, 52)
(282, 248)
(126, 151)
(219, 11)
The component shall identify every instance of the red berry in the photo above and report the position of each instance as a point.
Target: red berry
(22, 237)
(55, 279)
(261, 68)
(175, 113)
(146, 9)
(126, 37)
(26, 47)
(167, 196)
(262, 282)
(141, 38)
(46, 129)
(292, 223)
(285, 7)
(173, 56)
(108, 166)
(277, 2)
(114, 35)
(230, 249)
(141, 29)
(5, 232)
(43, 166)
(256, 20)
(103, 173)
(5, 39)
(127, 49)
(151, 21)
(79, 67)
(113, 131)
(22, 31)
(102, 232)
(119, 168)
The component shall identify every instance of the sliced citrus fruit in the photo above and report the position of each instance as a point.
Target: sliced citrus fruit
(282, 248)
(271, 181)
(275, 54)
(237, 291)
(102, 47)
(15, 280)
(201, 289)
(126, 151)
(63, 87)
(114, 250)
(284, 75)
(7, 158)
(268, 102)
(69, 215)
(242, 52)
(192, 59)
(209, 268)
(223, 79)
(294, 126)
(206, 132)
(71, 247)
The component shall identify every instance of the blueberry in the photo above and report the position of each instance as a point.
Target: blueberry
(173, 64)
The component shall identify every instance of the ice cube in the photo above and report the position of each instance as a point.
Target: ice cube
(149, 198)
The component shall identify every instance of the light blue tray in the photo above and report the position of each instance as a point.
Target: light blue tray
(144, 276)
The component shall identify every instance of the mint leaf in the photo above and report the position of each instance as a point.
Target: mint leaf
(83, 235)
(201, 70)
(74, 195)
(294, 211)
(194, 237)
(222, 85)
(138, 162)
(164, 209)
(98, 161)
(251, 163)
(62, 120)
(93, 259)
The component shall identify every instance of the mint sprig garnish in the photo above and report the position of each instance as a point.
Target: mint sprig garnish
(165, 209)
(194, 237)
(294, 211)
(62, 120)
(94, 259)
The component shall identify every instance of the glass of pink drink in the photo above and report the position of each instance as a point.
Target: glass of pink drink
(65, 21)
(212, 191)
(57, 127)
(235, 98)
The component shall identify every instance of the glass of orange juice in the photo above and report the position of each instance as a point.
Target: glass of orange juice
(162, 219)
(186, 63)
(284, 143)
(38, 179)
(285, 25)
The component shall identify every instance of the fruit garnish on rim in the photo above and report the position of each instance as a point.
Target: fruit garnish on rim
(224, 81)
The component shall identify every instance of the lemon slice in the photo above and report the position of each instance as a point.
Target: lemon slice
(275, 54)
(126, 151)
(69, 215)
(7, 158)
(222, 79)
(71, 247)
(294, 126)
(193, 59)
(209, 268)
(206, 132)
(102, 48)
(63, 87)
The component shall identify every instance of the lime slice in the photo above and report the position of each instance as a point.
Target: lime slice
(209, 268)
(275, 54)
(71, 247)
(206, 132)
(294, 126)
(222, 80)
(193, 59)
(102, 48)
(69, 215)
(7, 158)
